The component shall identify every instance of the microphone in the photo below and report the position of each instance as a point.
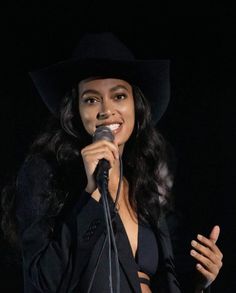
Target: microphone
(101, 172)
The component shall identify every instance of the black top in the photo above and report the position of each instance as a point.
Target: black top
(147, 251)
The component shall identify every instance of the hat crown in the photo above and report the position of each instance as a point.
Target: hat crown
(102, 46)
(103, 54)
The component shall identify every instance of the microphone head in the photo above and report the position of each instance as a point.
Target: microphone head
(103, 132)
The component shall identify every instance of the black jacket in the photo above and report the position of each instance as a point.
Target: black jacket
(63, 260)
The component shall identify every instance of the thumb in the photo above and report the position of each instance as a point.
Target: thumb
(215, 232)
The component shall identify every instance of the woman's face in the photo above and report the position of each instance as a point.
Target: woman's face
(107, 102)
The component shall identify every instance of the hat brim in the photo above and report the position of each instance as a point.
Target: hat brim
(152, 77)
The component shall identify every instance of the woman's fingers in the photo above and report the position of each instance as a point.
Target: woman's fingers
(208, 260)
(92, 154)
(208, 256)
(207, 247)
(102, 144)
(93, 157)
(215, 232)
(208, 276)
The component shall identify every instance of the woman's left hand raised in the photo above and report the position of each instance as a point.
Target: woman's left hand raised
(208, 257)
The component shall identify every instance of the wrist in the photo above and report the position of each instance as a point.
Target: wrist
(91, 185)
(93, 191)
(90, 189)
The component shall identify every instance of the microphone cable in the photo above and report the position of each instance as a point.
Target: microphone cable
(111, 228)
(110, 237)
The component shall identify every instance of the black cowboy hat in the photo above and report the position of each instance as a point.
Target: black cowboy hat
(103, 54)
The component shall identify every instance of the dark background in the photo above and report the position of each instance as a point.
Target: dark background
(199, 122)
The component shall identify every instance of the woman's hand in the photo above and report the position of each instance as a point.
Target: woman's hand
(92, 154)
(209, 258)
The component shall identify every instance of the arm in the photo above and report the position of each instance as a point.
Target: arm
(49, 258)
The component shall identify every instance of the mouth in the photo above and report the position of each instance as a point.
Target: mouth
(114, 127)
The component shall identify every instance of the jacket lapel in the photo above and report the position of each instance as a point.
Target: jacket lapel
(125, 255)
(167, 266)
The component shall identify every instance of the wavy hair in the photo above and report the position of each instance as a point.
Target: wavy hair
(61, 142)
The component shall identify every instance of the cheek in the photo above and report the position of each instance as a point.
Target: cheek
(131, 115)
(88, 120)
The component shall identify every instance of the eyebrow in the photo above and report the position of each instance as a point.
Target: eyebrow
(113, 89)
(117, 87)
(90, 92)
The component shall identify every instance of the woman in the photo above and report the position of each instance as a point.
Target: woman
(72, 238)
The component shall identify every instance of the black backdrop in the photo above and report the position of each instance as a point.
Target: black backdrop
(199, 122)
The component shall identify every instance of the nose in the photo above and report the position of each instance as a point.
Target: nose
(103, 115)
(106, 111)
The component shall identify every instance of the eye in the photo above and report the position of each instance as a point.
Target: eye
(91, 100)
(120, 97)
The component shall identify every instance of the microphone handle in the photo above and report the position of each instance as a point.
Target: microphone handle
(101, 172)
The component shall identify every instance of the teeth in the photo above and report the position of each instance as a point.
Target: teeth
(113, 126)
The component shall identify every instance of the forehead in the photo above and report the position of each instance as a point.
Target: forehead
(99, 83)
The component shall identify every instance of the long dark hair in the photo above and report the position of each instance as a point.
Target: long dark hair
(60, 143)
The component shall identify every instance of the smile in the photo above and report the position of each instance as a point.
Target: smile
(113, 127)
